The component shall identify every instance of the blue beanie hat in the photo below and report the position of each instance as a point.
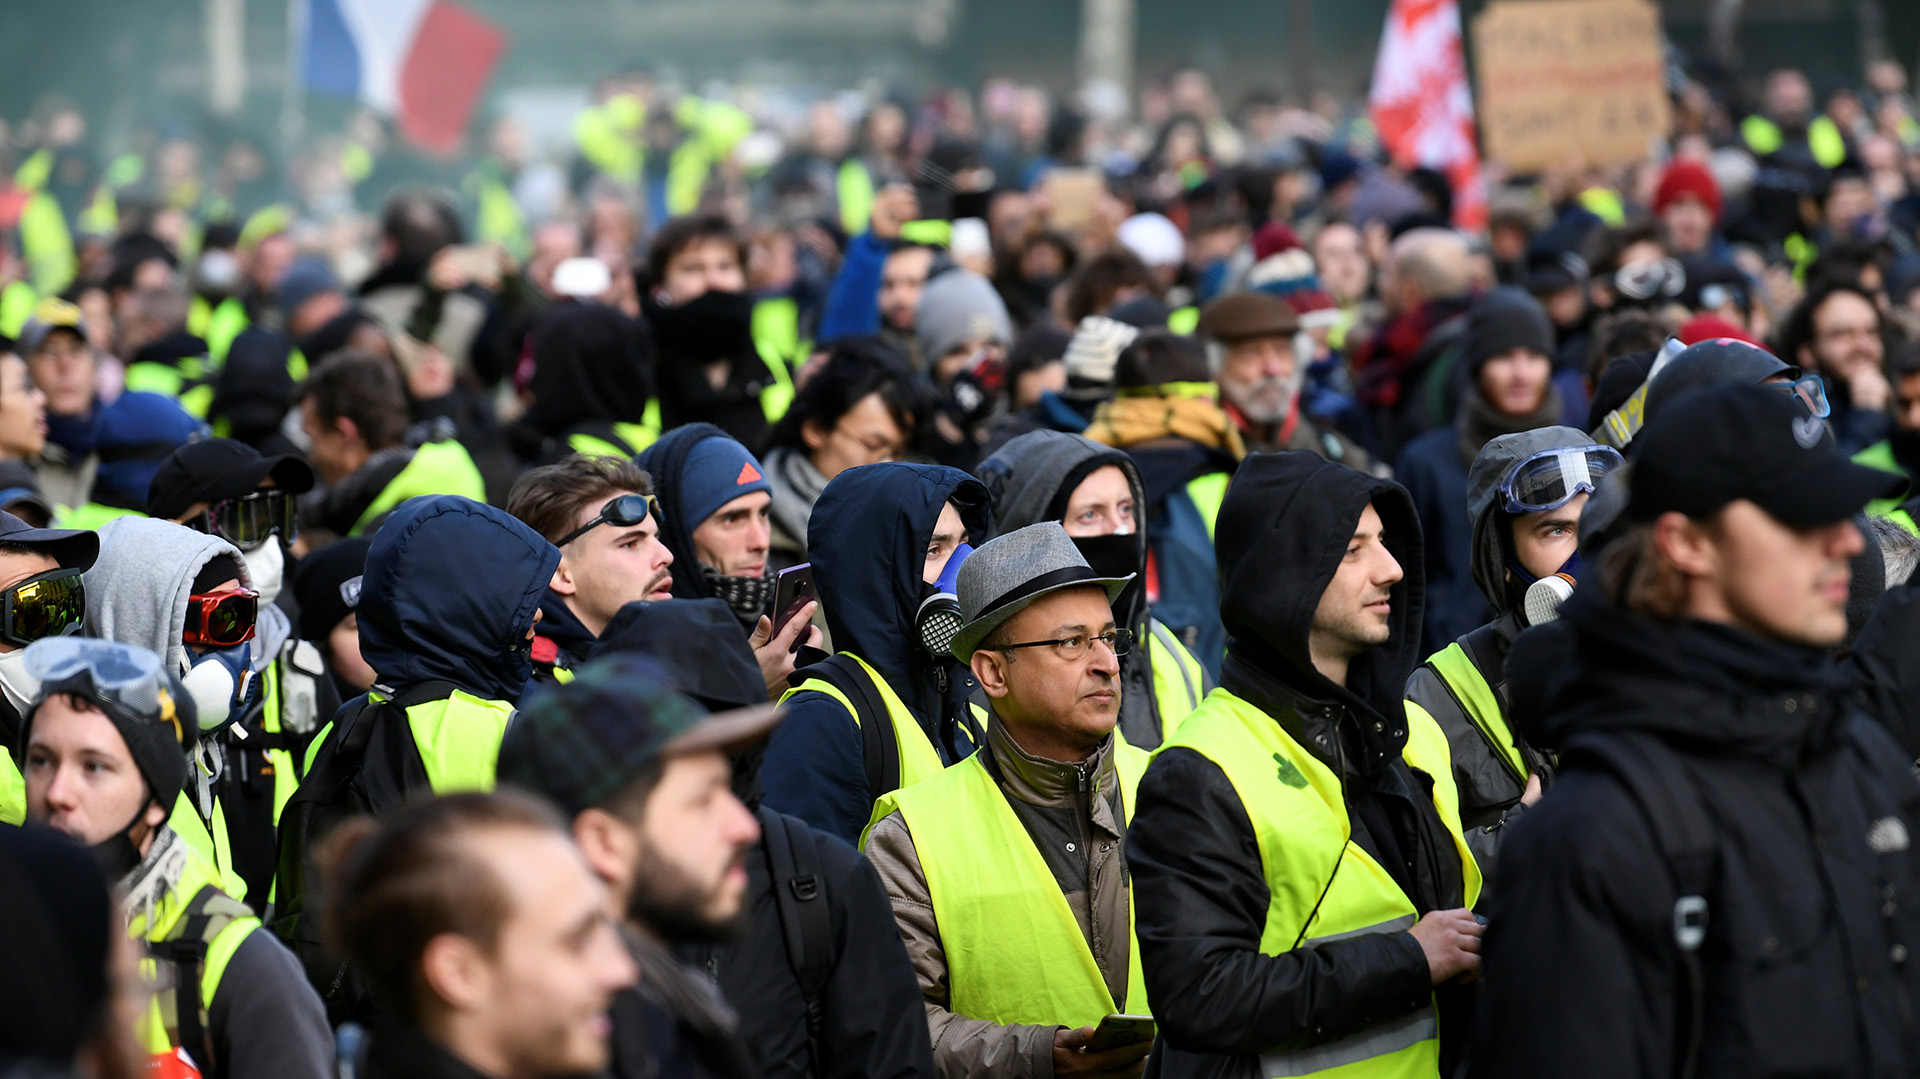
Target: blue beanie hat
(718, 470)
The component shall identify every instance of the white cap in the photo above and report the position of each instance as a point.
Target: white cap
(1156, 240)
(584, 278)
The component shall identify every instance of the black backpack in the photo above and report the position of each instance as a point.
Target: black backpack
(879, 745)
(368, 764)
(806, 922)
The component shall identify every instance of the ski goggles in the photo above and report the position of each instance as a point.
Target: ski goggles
(1551, 478)
(622, 512)
(118, 677)
(49, 604)
(221, 619)
(250, 520)
(1811, 391)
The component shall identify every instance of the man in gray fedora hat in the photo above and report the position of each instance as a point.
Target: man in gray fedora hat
(1008, 871)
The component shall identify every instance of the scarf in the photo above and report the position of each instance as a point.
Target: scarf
(156, 875)
(796, 487)
(1380, 362)
(1480, 423)
(746, 595)
(1128, 421)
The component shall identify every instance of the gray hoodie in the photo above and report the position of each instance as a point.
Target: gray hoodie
(137, 590)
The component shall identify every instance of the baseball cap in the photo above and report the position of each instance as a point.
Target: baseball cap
(217, 468)
(49, 315)
(1718, 443)
(73, 548)
(581, 743)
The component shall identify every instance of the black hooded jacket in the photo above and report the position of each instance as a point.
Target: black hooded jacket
(868, 538)
(1812, 901)
(592, 369)
(1200, 891)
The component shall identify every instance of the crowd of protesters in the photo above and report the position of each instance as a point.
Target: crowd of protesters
(964, 587)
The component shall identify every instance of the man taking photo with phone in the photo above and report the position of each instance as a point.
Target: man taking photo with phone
(1008, 871)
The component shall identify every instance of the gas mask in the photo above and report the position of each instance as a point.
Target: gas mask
(222, 685)
(1541, 602)
(938, 620)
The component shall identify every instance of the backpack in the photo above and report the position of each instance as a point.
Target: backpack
(364, 768)
(1672, 806)
(879, 744)
(806, 922)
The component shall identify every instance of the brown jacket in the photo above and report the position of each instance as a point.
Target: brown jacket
(1079, 832)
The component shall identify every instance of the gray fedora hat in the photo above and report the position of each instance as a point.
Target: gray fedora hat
(1005, 574)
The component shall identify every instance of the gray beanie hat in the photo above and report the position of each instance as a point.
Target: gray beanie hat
(960, 306)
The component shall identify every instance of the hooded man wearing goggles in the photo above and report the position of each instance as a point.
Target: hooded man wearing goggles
(1525, 493)
(188, 597)
(102, 749)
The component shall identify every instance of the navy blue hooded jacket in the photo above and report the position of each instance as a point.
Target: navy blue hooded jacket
(450, 589)
(868, 539)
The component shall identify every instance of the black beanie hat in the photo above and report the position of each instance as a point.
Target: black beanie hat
(1503, 320)
(316, 585)
(158, 736)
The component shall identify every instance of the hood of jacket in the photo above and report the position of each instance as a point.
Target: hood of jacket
(868, 541)
(1700, 685)
(1486, 511)
(663, 463)
(699, 642)
(1282, 533)
(421, 616)
(137, 589)
(590, 362)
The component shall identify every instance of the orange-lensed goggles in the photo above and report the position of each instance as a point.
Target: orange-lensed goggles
(221, 619)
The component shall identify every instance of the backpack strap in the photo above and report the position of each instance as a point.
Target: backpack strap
(207, 915)
(799, 891)
(879, 745)
(1671, 803)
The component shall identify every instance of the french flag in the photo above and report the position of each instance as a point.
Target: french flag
(422, 62)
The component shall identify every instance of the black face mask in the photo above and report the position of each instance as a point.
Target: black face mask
(117, 855)
(712, 326)
(746, 595)
(1117, 555)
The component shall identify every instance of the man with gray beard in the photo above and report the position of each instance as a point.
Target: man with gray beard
(1253, 347)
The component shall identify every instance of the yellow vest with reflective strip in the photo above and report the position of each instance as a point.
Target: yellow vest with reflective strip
(1299, 819)
(207, 839)
(854, 185)
(1476, 698)
(1014, 952)
(1880, 456)
(1207, 493)
(156, 1034)
(13, 790)
(458, 739)
(1179, 682)
(636, 436)
(437, 468)
(919, 761)
(228, 321)
(776, 337)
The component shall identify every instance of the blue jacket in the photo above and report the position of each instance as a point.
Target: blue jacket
(853, 303)
(450, 590)
(868, 538)
(1433, 474)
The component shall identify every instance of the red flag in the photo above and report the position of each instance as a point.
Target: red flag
(444, 72)
(1421, 104)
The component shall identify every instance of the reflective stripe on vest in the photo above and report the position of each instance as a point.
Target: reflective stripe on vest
(1014, 951)
(286, 771)
(1477, 699)
(1207, 493)
(13, 790)
(207, 839)
(1299, 819)
(1179, 682)
(918, 759)
(158, 1036)
(437, 468)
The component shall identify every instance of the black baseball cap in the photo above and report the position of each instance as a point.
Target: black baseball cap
(1717, 443)
(217, 468)
(73, 548)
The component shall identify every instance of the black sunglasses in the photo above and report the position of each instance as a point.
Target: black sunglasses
(622, 512)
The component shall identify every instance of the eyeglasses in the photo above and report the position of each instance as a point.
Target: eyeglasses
(1551, 478)
(622, 512)
(250, 520)
(879, 449)
(118, 676)
(48, 604)
(1120, 641)
(221, 619)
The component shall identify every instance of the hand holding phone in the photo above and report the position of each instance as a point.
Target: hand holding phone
(792, 588)
(1117, 1030)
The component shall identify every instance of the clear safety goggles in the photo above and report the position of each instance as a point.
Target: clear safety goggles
(1551, 478)
(1811, 391)
(119, 677)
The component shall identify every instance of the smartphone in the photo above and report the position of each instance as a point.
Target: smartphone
(792, 588)
(1117, 1030)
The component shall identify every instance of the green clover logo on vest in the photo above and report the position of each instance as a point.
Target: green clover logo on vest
(1289, 774)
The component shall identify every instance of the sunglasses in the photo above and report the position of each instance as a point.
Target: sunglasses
(49, 604)
(221, 619)
(622, 512)
(250, 520)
